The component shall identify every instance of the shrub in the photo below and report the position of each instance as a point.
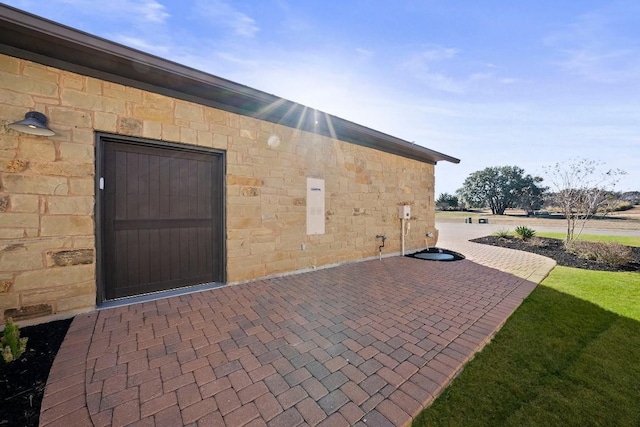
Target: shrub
(525, 233)
(11, 344)
(613, 254)
(623, 206)
(538, 242)
(503, 234)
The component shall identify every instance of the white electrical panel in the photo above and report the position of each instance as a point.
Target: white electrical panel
(404, 212)
(315, 206)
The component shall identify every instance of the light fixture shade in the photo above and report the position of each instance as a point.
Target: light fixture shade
(34, 123)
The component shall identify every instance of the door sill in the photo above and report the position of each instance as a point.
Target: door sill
(137, 299)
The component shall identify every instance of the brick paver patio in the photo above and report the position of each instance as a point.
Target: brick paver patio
(369, 343)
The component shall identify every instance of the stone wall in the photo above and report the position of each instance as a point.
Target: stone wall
(47, 196)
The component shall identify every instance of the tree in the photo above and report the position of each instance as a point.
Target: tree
(447, 202)
(502, 187)
(532, 198)
(582, 188)
(631, 197)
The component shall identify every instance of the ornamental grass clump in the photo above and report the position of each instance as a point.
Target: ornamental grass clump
(11, 344)
(613, 254)
(525, 233)
(503, 234)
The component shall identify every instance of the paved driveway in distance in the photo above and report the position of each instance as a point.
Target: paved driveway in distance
(366, 344)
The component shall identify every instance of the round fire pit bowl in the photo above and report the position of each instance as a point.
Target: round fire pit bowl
(437, 254)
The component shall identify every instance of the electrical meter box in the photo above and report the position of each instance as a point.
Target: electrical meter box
(404, 212)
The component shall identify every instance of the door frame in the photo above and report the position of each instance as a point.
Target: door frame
(100, 141)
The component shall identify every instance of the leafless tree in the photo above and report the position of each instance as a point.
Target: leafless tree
(581, 189)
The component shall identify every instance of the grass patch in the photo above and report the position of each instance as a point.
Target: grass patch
(616, 292)
(623, 240)
(568, 356)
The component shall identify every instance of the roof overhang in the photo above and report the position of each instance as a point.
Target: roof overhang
(30, 37)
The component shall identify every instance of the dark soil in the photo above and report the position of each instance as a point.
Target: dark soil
(22, 381)
(554, 248)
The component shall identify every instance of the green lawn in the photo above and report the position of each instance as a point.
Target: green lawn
(624, 240)
(616, 292)
(570, 355)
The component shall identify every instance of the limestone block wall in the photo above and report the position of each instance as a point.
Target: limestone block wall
(364, 188)
(47, 187)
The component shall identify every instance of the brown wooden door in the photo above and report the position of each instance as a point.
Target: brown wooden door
(162, 218)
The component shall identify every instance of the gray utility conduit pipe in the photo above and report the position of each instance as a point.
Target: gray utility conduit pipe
(403, 233)
(383, 237)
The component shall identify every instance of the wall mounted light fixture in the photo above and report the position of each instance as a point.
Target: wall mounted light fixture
(34, 123)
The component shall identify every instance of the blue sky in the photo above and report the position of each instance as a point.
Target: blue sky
(494, 83)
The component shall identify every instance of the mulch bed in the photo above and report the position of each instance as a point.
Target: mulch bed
(22, 381)
(554, 248)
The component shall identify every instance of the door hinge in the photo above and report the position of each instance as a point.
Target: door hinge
(101, 183)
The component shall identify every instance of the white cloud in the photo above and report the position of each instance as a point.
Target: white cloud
(223, 14)
(134, 10)
(139, 11)
(480, 76)
(422, 62)
(604, 66)
(151, 10)
(509, 81)
(426, 57)
(443, 70)
(421, 65)
(141, 44)
(237, 60)
(592, 48)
